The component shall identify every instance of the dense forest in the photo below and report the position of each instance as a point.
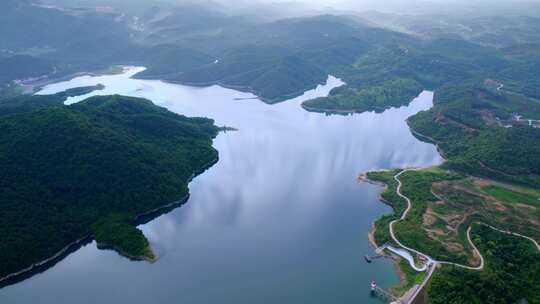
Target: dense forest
(89, 169)
(27, 103)
(276, 60)
(53, 43)
(475, 130)
(22, 67)
(392, 93)
(511, 275)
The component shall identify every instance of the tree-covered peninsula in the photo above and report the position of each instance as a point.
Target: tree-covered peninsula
(89, 170)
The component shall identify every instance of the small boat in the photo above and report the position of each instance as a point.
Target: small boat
(373, 285)
(367, 259)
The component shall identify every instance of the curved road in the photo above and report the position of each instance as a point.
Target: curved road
(514, 234)
(475, 249)
(431, 261)
(403, 216)
(476, 252)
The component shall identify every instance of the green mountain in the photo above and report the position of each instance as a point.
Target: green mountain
(273, 80)
(26, 103)
(70, 172)
(392, 93)
(476, 130)
(23, 67)
(54, 42)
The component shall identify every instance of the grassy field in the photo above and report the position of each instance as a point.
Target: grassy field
(511, 196)
(444, 205)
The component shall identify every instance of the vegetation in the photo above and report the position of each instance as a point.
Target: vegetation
(11, 90)
(22, 67)
(390, 197)
(474, 124)
(469, 125)
(512, 196)
(118, 233)
(512, 273)
(68, 172)
(394, 71)
(392, 93)
(169, 61)
(273, 80)
(27, 103)
(445, 204)
(89, 169)
(416, 186)
(53, 43)
(411, 231)
(81, 91)
(411, 277)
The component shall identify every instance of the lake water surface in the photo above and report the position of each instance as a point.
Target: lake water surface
(280, 218)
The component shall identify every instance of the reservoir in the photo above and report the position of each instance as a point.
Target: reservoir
(281, 218)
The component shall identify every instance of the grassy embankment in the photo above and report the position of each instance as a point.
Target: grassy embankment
(445, 204)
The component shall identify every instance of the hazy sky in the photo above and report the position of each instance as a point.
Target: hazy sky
(336, 4)
(472, 7)
(410, 6)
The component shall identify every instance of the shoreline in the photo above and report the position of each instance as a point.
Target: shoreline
(395, 259)
(105, 246)
(32, 87)
(402, 277)
(35, 86)
(343, 112)
(138, 220)
(429, 140)
(45, 261)
(244, 89)
(371, 234)
(352, 111)
(363, 177)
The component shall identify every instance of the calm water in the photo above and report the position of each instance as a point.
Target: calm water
(280, 219)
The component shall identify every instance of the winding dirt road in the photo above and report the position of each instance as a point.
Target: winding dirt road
(433, 263)
(475, 249)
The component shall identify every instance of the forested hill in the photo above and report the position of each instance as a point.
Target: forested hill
(26, 103)
(54, 42)
(485, 132)
(67, 172)
(276, 60)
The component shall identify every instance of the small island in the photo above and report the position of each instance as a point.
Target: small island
(82, 90)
